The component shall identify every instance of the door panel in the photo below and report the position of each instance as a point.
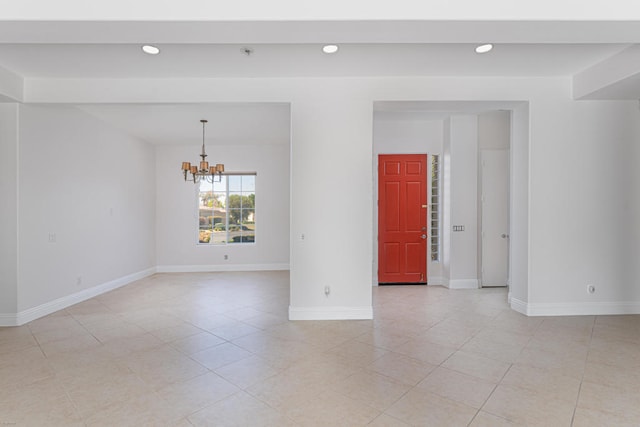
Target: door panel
(495, 217)
(402, 218)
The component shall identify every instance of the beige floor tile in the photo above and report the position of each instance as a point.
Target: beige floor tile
(421, 349)
(246, 372)
(58, 320)
(149, 365)
(567, 349)
(90, 397)
(554, 362)
(462, 388)
(477, 366)
(609, 399)
(287, 391)
(234, 330)
(43, 403)
(613, 376)
(220, 355)
(615, 352)
(70, 331)
(528, 407)
(163, 366)
(24, 367)
(502, 351)
(144, 410)
(121, 330)
(402, 368)
(383, 339)
(623, 332)
(240, 410)
(266, 320)
(421, 408)
(172, 333)
(549, 383)
(384, 420)
(592, 418)
(332, 409)
(356, 351)
(69, 345)
(188, 397)
(484, 419)
(195, 343)
(122, 347)
(372, 389)
(15, 339)
(450, 333)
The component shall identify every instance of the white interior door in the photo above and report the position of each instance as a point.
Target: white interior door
(495, 217)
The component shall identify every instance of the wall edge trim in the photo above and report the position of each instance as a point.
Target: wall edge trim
(330, 313)
(220, 267)
(30, 314)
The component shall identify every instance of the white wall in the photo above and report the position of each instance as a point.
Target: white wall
(494, 133)
(582, 164)
(177, 210)
(91, 186)
(519, 207)
(403, 133)
(463, 195)
(558, 145)
(494, 130)
(332, 121)
(9, 210)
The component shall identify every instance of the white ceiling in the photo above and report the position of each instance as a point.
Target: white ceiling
(299, 60)
(233, 124)
(207, 49)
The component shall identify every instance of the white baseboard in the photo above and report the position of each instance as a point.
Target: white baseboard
(34, 313)
(575, 309)
(463, 284)
(330, 313)
(220, 267)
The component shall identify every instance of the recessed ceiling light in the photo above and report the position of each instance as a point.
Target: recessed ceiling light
(151, 50)
(330, 48)
(484, 48)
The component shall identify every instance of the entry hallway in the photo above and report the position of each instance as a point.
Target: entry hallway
(217, 349)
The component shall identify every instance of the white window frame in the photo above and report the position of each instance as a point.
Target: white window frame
(227, 214)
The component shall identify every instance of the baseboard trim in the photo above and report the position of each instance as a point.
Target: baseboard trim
(220, 267)
(37, 312)
(463, 284)
(330, 313)
(576, 309)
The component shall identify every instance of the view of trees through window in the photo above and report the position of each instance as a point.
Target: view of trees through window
(227, 210)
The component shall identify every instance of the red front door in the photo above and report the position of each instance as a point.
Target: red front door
(402, 218)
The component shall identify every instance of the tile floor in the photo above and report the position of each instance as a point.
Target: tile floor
(217, 349)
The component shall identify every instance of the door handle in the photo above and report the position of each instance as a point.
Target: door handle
(423, 237)
(505, 236)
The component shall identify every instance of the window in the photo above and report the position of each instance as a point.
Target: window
(227, 210)
(435, 208)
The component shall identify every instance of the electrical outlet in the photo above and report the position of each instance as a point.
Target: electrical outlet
(52, 237)
(591, 289)
(226, 257)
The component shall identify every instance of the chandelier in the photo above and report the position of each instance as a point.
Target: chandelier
(205, 172)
